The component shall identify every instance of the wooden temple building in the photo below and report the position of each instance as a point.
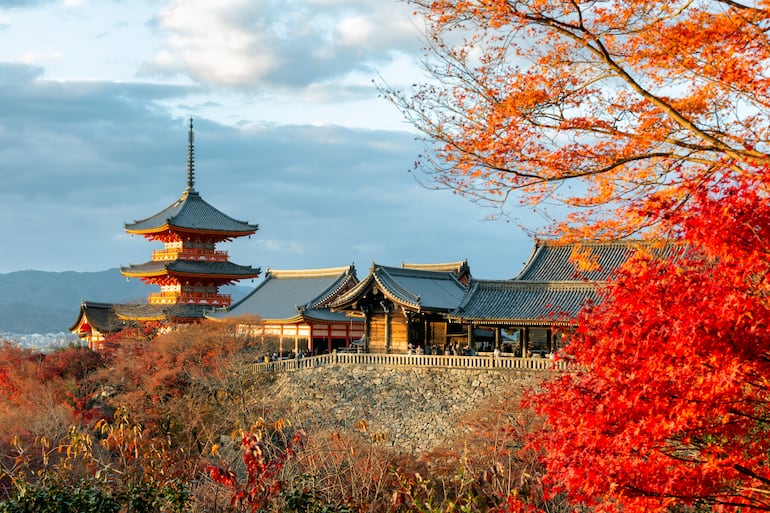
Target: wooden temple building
(292, 307)
(189, 269)
(532, 313)
(406, 305)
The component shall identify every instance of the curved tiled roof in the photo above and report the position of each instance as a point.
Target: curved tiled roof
(524, 303)
(191, 212)
(100, 316)
(417, 289)
(555, 261)
(191, 267)
(292, 294)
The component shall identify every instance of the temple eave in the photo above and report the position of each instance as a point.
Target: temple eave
(170, 229)
(143, 317)
(219, 277)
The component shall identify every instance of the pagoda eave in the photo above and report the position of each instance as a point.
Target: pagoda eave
(164, 231)
(230, 278)
(161, 278)
(143, 317)
(128, 273)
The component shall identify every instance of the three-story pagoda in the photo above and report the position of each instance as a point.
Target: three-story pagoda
(189, 269)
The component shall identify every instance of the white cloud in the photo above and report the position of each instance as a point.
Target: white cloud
(291, 44)
(205, 40)
(355, 31)
(38, 57)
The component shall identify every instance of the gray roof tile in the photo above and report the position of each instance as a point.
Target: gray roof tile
(524, 302)
(550, 260)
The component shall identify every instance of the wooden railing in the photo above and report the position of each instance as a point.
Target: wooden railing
(189, 254)
(405, 360)
(197, 298)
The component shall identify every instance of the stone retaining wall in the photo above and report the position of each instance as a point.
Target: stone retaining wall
(412, 409)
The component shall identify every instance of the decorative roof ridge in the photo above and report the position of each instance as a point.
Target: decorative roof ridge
(557, 242)
(408, 271)
(310, 273)
(96, 304)
(455, 266)
(415, 265)
(556, 284)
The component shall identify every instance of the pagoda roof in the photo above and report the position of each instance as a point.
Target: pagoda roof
(415, 289)
(524, 303)
(555, 261)
(191, 213)
(292, 295)
(191, 268)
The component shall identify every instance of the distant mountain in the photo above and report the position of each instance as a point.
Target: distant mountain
(48, 302)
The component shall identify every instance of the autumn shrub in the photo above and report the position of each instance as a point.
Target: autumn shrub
(43, 395)
(109, 468)
(355, 471)
(189, 385)
(350, 468)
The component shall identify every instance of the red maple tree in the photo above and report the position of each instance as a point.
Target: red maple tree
(672, 403)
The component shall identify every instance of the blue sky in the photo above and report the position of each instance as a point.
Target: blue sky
(290, 133)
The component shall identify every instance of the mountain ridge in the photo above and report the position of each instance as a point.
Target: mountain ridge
(34, 301)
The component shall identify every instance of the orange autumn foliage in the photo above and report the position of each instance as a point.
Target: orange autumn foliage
(597, 104)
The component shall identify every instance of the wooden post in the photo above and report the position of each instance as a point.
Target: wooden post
(471, 343)
(524, 342)
(387, 332)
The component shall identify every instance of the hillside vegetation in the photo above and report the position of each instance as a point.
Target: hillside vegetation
(178, 423)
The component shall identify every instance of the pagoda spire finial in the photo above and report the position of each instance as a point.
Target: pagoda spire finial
(191, 161)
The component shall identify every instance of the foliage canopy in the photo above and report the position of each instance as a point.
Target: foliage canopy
(596, 103)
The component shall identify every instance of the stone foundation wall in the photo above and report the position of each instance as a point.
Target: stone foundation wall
(411, 409)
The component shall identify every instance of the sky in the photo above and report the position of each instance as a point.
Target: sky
(291, 133)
